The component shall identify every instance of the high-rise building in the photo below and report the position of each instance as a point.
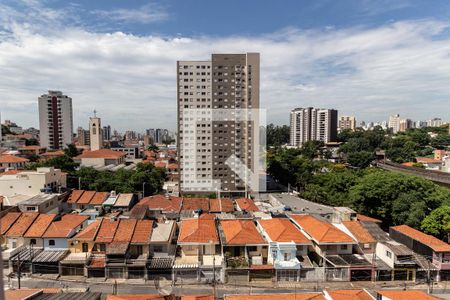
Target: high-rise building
(107, 133)
(83, 137)
(55, 120)
(405, 124)
(435, 122)
(394, 123)
(347, 122)
(151, 135)
(95, 132)
(215, 134)
(313, 124)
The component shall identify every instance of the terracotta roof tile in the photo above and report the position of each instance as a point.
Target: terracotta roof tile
(349, 295)
(99, 198)
(282, 230)
(359, 232)
(142, 232)
(427, 160)
(125, 230)
(160, 164)
(199, 230)
(198, 297)
(64, 227)
(7, 221)
(222, 205)
(12, 159)
(54, 153)
(434, 243)
(40, 225)
(102, 153)
(22, 224)
(321, 231)
(269, 296)
(90, 232)
(138, 297)
(238, 232)
(97, 262)
(74, 196)
(195, 204)
(86, 197)
(246, 204)
(22, 294)
(364, 218)
(406, 295)
(107, 231)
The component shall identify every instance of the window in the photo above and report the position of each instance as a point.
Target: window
(344, 247)
(366, 246)
(85, 247)
(102, 247)
(33, 242)
(388, 254)
(286, 256)
(30, 208)
(51, 242)
(157, 248)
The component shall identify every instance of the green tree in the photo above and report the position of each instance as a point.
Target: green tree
(361, 159)
(277, 135)
(437, 223)
(63, 162)
(71, 150)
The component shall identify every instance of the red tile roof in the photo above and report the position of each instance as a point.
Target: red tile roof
(107, 230)
(166, 204)
(172, 167)
(349, 295)
(142, 232)
(282, 230)
(125, 230)
(427, 160)
(240, 232)
(22, 294)
(53, 153)
(31, 147)
(198, 297)
(65, 227)
(222, 205)
(12, 159)
(74, 196)
(86, 197)
(364, 218)
(269, 296)
(102, 153)
(246, 204)
(99, 198)
(198, 231)
(90, 232)
(40, 225)
(359, 232)
(195, 204)
(321, 231)
(22, 224)
(160, 164)
(7, 221)
(138, 297)
(98, 262)
(406, 295)
(434, 243)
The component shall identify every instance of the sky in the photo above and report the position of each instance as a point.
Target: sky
(364, 58)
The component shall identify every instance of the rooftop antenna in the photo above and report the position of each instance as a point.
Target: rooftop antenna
(95, 112)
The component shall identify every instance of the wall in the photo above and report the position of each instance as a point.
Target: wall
(381, 254)
(60, 243)
(90, 162)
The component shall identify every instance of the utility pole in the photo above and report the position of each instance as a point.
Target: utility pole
(214, 276)
(19, 267)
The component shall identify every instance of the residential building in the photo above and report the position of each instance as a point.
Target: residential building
(31, 183)
(30, 151)
(102, 157)
(246, 204)
(209, 131)
(347, 123)
(404, 294)
(313, 124)
(83, 137)
(405, 124)
(106, 133)
(288, 249)
(41, 203)
(12, 162)
(95, 132)
(394, 123)
(435, 122)
(132, 153)
(157, 206)
(271, 296)
(55, 120)
(222, 205)
(435, 250)
(400, 259)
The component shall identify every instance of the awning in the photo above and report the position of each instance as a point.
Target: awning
(26, 254)
(50, 256)
(160, 263)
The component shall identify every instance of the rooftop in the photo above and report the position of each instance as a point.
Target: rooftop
(22, 224)
(299, 205)
(74, 196)
(241, 232)
(246, 204)
(7, 221)
(268, 296)
(406, 295)
(200, 230)
(11, 159)
(434, 243)
(359, 232)
(142, 232)
(90, 232)
(102, 153)
(162, 232)
(86, 197)
(40, 225)
(39, 199)
(350, 295)
(221, 205)
(282, 230)
(124, 199)
(64, 227)
(196, 204)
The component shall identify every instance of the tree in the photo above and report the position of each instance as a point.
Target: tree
(277, 135)
(437, 223)
(63, 162)
(361, 159)
(71, 150)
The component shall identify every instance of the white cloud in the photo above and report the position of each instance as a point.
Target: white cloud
(131, 80)
(146, 14)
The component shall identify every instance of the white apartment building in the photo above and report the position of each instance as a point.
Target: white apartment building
(313, 124)
(55, 120)
(31, 183)
(435, 122)
(347, 122)
(394, 123)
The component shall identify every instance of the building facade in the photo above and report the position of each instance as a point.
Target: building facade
(55, 120)
(227, 84)
(95, 133)
(313, 124)
(347, 122)
(394, 123)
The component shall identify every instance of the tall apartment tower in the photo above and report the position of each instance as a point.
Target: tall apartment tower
(83, 137)
(95, 132)
(313, 124)
(347, 122)
(394, 123)
(213, 137)
(55, 120)
(107, 133)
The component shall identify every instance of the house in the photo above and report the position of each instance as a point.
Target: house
(157, 206)
(60, 231)
(288, 248)
(246, 204)
(13, 162)
(162, 250)
(32, 150)
(366, 242)
(430, 163)
(195, 205)
(399, 258)
(52, 154)
(100, 158)
(199, 248)
(41, 203)
(404, 295)
(272, 296)
(296, 205)
(437, 251)
(31, 183)
(125, 201)
(223, 205)
(333, 248)
(347, 295)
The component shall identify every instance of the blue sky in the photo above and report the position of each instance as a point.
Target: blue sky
(364, 58)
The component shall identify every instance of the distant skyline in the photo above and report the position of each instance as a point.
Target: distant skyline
(369, 59)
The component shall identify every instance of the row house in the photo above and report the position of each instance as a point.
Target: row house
(288, 249)
(434, 250)
(157, 207)
(333, 249)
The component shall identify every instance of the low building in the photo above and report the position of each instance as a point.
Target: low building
(246, 204)
(293, 203)
(157, 206)
(42, 203)
(100, 158)
(403, 295)
(29, 151)
(399, 258)
(13, 162)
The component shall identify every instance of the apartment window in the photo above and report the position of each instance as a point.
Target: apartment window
(85, 247)
(388, 253)
(51, 242)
